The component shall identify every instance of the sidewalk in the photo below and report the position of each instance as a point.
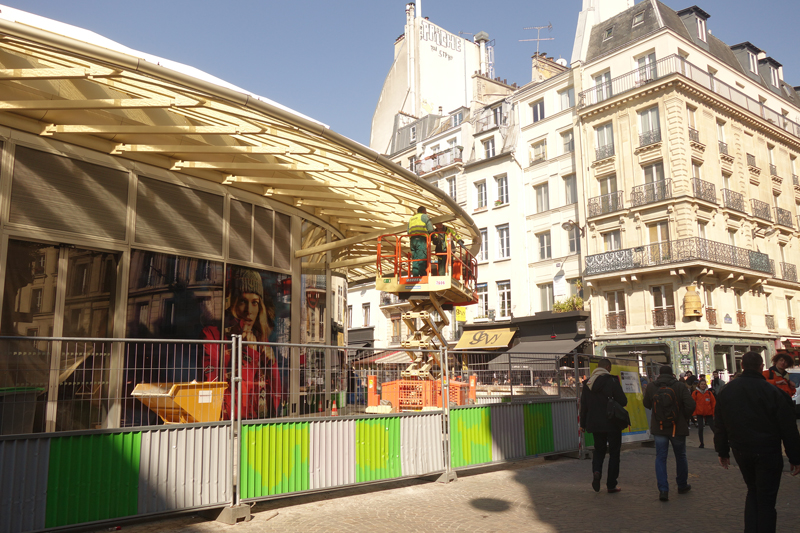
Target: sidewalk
(536, 495)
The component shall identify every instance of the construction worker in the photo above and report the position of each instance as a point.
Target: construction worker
(443, 234)
(419, 227)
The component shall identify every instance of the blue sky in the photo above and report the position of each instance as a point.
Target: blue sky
(328, 59)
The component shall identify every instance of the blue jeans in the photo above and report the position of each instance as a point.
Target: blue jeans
(682, 464)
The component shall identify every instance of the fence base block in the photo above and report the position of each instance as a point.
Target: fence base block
(447, 477)
(232, 515)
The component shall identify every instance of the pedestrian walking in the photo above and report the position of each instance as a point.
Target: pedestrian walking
(597, 390)
(777, 374)
(672, 405)
(753, 418)
(716, 382)
(704, 408)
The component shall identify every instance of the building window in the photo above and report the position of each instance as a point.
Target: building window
(612, 241)
(483, 300)
(542, 198)
(365, 314)
(646, 68)
(573, 287)
(457, 119)
(721, 131)
(451, 187)
(695, 170)
(753, 62)
(602, 86)
(568, 142)
(480, 191)
(605, 140)
(573, 236)
(648, 120)
(503, 242)
(701, 29)
(538, 151)
(504, 298)
(654, 173)
(349, 317)
(396, 328)
(663, 305)
(483, 255)
(567, 98)
(545, 251)
(497, 113)
(608, 33)
(488, 148)
(36, 301)
(537, 110)
(546, 297)
(774, 76)
(413, 134)
(502, 189)
(691, 115)
(638, 18)
(570, 189)
(615, 303)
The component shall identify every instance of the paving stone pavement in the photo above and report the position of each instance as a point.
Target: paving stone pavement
(537, 495)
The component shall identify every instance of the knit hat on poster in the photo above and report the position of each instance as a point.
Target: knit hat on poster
(246, 281)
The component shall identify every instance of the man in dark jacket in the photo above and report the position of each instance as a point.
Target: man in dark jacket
(601, 386)
(668, 425)
(752, 419)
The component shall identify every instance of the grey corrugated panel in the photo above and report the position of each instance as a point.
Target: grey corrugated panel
(508, 432)
(421, 445)
(565, 425)
(23, 484)
(332, 453)
(182, 468)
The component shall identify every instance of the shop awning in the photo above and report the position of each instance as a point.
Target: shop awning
(485, 339)
(400, 358)
(794, 343)
(540, 355)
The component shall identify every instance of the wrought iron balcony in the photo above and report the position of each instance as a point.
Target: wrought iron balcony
(704, 190)
(789, 272)
(438, 160)
(761, 209)
(773, 170)
(608, 203)
(649, 193)
(784, 217)
(711, 316)
(733, 200)
(792, 323)
(751, 160)
(650, 137)
(741, 319)
(664, 317)
(604, 152)
(679, 251)
(770, 320)
(723, 148)
(616, 321)
(694, 135)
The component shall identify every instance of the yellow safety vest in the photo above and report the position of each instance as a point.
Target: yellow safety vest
(417, 225)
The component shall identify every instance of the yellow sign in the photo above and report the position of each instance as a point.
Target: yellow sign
(485, 339)
(461, 314)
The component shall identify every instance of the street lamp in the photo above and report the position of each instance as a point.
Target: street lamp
(570, 224)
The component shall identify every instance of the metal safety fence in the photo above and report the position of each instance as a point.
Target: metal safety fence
(97, 430)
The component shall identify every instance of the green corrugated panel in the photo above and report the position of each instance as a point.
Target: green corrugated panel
(274, 459)
(470, 436)
(538, 428)
(92, 477)
(377, 449)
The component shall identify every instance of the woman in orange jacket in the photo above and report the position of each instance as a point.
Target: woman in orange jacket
(706, 403)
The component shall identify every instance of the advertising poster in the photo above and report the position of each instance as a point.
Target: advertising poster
(628, 372)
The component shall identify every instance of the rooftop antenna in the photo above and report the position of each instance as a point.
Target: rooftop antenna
(538, 29)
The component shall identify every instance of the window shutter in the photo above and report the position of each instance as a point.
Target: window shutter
(240, 230)
(178, 217)
(55, 192)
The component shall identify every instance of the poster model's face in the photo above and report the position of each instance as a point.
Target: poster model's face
(247, 309)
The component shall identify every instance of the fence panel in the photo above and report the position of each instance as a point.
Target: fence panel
(421, 444)
(274, 459)
(470, 436)
(332, 450)
(377, 449)
(508, 435)
(565, 425)
(23, 484)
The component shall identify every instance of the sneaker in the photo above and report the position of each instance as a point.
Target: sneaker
(614, 490)
(685, 489)
(596, 481)
(663, 496)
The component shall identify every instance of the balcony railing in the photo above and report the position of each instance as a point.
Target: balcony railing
(792, 323)
(711, 316)
(784, 217)
(770, 320)
(789, 272)
(616, 320)
(437, 160)
(664, 317)
(723, 148)
(704, 190)
(649, 193)
(733, 200)
(741, 319)
(608, 203)
(694, 135)
(679, 251)
(761, 209)
(676, 64)
(773, 170)
(751, 160)
(604, 152)
(389, 299)
(650, 137)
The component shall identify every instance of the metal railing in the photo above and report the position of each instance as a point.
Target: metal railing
(792, 323)
(678, 251)
(616, 321)
(675, 64)
(704, 190)
(789, 272)
(723, 147)
(770, 321)
(607, 203)
(741, 319)
(711, 316)
(784, 217)
(751, 160)
(438, 160)
(664, 317)
(604, 152)
(761, 209)
(694, 135)
(773, 170)
(733, 200)
(649, 193)
(650, 137)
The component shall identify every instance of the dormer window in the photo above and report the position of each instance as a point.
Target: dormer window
(701, 29)
(638, 18)
(608, 33)
(753, 62)
(413, 134)
(773, 72)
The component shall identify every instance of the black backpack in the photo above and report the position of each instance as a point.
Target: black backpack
(665, 408)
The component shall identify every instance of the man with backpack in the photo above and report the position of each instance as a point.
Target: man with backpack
(672, 405)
